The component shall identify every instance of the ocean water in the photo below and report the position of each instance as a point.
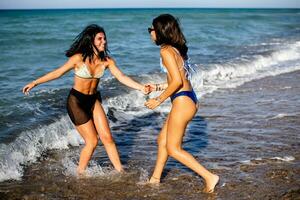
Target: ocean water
(247, 75)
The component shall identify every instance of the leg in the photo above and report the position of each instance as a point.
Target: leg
(103, 130)
(162, 154)
(181, 114)
(89, 134)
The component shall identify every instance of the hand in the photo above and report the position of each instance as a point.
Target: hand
(146, 89)
(28, 87)
(152, 87)
(152, 103)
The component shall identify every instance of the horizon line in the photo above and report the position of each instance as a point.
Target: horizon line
(112, 8)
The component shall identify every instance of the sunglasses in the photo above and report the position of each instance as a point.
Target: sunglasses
(150, 30)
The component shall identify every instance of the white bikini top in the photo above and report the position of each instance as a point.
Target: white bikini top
(189, 70)
(83, 72)
(162, 67)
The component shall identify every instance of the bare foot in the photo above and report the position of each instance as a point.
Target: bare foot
(154, 180)
(211, 183)
(81, 173)
(120, 169)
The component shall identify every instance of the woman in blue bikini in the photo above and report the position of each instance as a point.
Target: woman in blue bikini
(88, 57)
(166, 33)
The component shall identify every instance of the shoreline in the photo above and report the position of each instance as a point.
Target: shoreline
(263, 176)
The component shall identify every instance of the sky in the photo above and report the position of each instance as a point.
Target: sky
(44, 4)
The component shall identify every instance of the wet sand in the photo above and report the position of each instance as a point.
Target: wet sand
(260, 180)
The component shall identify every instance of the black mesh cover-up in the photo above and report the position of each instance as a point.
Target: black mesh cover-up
(80, 106)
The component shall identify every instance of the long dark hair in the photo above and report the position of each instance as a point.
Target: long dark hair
(168, 32)
(84, 44)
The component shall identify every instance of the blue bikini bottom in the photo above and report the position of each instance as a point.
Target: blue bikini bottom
(190, 94)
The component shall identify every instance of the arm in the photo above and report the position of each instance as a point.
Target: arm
(175, 79)
(116, 72)
(52, 75)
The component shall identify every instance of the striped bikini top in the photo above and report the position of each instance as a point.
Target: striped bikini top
(83, 72)
(189, 70)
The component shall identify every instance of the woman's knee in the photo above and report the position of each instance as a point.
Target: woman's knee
(92, 142)
(106, 138)
(173, 150)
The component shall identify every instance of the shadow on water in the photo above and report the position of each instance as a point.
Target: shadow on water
(133, 135)
(137, 138)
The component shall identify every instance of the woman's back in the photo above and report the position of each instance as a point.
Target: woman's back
(186, 85)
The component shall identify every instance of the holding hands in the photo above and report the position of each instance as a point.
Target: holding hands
(148, 88)
(151, 87)
(154, 102)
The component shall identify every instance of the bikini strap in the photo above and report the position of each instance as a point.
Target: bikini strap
(187, 66)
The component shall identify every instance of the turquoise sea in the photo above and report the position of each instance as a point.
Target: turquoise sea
(247, 80)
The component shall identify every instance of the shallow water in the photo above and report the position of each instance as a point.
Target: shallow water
(238, 140)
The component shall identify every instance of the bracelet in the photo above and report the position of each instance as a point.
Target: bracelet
(158, 99)
(158, 87)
